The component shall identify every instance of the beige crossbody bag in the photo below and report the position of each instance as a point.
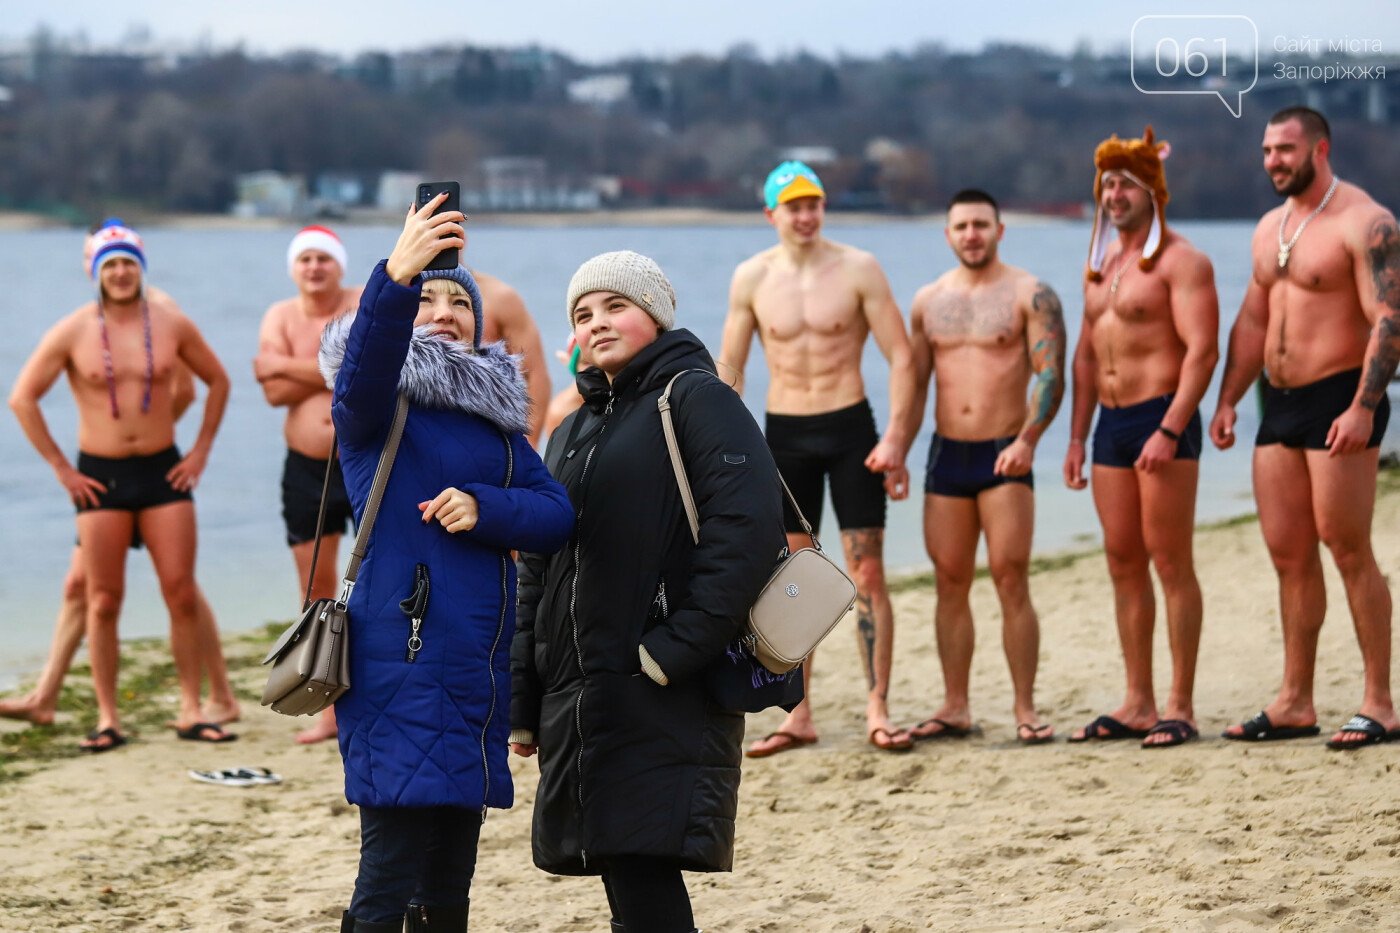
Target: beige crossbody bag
(803, 600)
(311, 661)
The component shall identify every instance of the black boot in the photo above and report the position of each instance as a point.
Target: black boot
(424, 919)
(349, 924)
(618, 927)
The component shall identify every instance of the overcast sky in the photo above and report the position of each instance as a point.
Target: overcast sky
(598, 30)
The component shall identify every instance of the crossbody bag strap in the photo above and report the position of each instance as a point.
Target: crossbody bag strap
(376, 493)
(320, 520)
(687, 498)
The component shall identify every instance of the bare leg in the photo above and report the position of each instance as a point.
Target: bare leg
(1120, 513)
(1008, 514)
(104, 535)
(223, 705)
(1168, 524)
(798, 722)
(39, 704)
(951, 530)
(1283, 493)
(169, 533)
(1344, 499)
(865, 562)
(323, 587)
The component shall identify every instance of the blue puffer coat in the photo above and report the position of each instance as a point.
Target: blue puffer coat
(433, 732)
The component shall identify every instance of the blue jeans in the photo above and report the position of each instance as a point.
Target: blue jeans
(421, 854)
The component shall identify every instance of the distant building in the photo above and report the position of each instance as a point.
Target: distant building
(270, 194)
(812, 155)
(397, 190)
(601, 91)
(522, 183)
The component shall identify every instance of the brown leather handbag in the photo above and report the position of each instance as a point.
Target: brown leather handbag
(311, 661)
(803, 600)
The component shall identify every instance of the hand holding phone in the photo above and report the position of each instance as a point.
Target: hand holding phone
(450, 257)
(428, 232)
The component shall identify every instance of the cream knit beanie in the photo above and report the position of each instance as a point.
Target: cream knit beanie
(631, 275)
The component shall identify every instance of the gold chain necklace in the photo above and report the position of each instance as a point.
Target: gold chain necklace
(1285, 248)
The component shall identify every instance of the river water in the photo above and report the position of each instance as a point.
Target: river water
(225, 279)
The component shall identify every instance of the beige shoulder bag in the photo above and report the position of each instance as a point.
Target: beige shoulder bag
(803, 600)
(311, 661)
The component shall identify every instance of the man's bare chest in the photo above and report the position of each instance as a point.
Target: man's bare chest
(808, 308)
(984, 317)
(126, 349)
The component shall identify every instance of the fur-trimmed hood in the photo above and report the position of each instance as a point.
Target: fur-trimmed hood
(445, 375)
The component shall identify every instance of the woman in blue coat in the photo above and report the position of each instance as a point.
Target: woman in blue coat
(424, 732)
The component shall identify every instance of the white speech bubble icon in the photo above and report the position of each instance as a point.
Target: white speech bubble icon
(1200, 57)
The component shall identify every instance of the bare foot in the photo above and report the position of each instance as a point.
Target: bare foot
(320, 730)
(220, 713)
(26, 709)
(1281, 715)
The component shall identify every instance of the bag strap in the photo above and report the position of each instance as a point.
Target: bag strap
(320, 520)
(678, 465)
(376, 493)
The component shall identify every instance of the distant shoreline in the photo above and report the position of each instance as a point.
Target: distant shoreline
(12, 221)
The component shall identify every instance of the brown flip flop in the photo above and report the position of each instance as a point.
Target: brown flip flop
(891, 744)
(789, 742)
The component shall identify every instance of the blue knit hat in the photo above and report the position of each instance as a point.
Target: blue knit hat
(462, 277)
(113, 239)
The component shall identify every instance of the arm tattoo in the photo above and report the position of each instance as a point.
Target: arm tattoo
(1048, 358)
(1383, 258)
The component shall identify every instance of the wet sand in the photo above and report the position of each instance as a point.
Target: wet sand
(979, 834)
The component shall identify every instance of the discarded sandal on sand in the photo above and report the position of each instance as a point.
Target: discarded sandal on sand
(1260, 728)
(945, 730)
(237, 777)
(895, 740)
(789, 742)
(1108, 729)
(200, 732)
(1179, 732)
(96, 745)
(1028, 734)
(1372, 732)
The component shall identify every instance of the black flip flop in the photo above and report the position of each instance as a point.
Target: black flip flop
(1260, 728)
(1375, 733)
(949, 731)
(196, 733)
(1179, 730)
(1108, 729)
(114, 740)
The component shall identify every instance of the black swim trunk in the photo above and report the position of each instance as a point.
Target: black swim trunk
(133, 483)
(962, 469)
(808, 448)
(1302, 416)
(302, 480)
(1121, 432)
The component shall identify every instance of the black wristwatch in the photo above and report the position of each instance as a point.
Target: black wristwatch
(1169, 432)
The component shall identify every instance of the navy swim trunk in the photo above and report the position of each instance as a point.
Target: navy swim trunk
(962, 469)
(809, 448)
(1302, 416)
(1121, 432)
(133, 483)
(303, 478)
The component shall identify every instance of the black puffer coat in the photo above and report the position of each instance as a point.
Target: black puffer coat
(627, 766)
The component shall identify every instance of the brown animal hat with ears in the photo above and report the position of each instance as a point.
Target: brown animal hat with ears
(1141, 161)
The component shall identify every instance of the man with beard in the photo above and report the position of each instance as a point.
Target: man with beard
(813, 302)
(1321, 317)
(983, 330)
(1146, 352)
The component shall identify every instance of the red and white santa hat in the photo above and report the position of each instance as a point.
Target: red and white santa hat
(315, 237)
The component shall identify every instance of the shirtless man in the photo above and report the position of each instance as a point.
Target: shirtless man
(286, 367)
(1321, 317)
(813, 302)
(984, 329)
(120, 354)
(508, 319)
(1146, 352)
(40, 704)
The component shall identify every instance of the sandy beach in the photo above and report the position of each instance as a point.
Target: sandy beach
(979, 834)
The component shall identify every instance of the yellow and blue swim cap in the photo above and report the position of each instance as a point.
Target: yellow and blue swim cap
(791, 180)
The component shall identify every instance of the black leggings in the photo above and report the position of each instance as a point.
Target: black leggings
(647, 895)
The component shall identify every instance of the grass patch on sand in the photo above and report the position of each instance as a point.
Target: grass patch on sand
(147, 696)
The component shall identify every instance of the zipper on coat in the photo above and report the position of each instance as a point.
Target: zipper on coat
(491, 658)
(573, 604)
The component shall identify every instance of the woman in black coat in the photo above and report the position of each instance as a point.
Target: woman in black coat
(639, 769)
